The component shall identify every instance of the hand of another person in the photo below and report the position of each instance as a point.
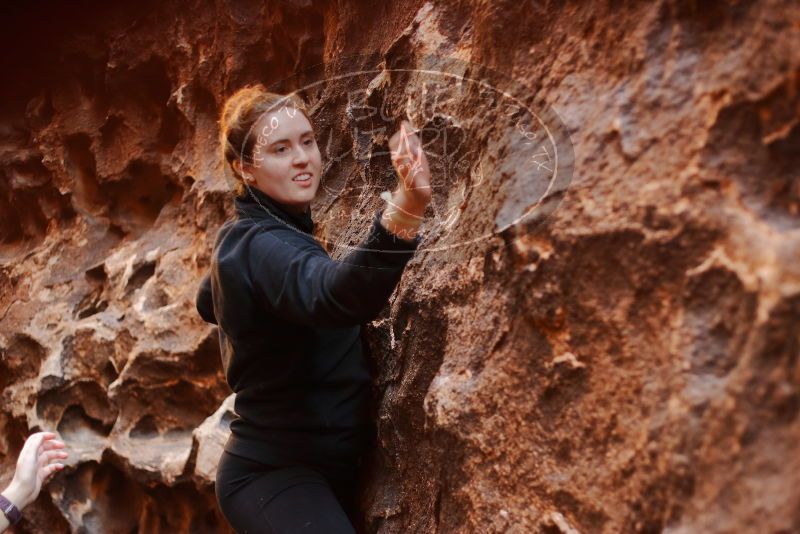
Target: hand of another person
(34, 466)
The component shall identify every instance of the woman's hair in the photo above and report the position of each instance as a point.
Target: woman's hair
(239, 114)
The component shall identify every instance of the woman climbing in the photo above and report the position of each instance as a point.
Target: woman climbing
(289, 319)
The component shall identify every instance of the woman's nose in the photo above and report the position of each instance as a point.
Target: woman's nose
(301, 156)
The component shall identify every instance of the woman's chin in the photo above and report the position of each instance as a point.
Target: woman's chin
(305, 193)
(300, 199)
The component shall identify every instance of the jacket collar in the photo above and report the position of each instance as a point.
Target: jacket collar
(264, 207)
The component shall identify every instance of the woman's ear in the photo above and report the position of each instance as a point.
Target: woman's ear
(237, 166)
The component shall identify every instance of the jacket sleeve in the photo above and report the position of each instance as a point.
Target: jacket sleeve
(307, 287)
(204, 300)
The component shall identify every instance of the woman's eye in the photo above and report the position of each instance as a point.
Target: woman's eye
(282, 149)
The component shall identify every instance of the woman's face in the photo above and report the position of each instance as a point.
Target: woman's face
(286, 160)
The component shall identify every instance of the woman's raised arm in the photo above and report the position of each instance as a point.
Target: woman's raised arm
(305, 286)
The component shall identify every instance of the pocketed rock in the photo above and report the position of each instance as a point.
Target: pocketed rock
(627, 363)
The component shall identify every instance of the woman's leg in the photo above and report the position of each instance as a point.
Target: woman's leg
(257, 498)
(306, 507)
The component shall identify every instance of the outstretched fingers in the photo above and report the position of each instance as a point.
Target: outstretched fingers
(49, 470)
(407, 159)
(48, 456)
(52, 444)
(35, 440)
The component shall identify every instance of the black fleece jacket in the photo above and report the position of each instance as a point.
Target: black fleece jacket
(289, 326)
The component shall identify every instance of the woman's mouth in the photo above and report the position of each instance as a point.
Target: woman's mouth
(303, 179)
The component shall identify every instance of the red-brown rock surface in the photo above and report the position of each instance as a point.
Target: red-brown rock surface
(627, 364)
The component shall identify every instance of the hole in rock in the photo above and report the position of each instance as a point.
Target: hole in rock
(97, 274)
(91, 304)
(80, 164)
(141, 274)
(134, 202)
(89, 395)
(144, 428)
(109, 372)
(76, 425)
(174, 127)
(156, 299)
(22, 357)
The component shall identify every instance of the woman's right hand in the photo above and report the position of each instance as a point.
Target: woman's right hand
(413, 193)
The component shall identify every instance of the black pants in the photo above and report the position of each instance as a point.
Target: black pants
(274, 499)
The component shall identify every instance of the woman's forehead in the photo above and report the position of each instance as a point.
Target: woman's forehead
(287, 121)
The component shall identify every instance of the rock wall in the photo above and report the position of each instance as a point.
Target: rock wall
(628, 363)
